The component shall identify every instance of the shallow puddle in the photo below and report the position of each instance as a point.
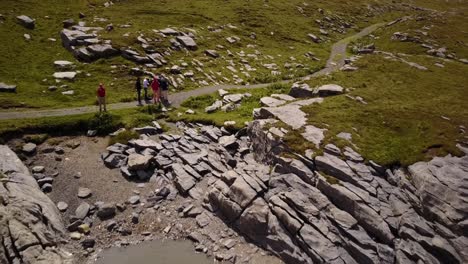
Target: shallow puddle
(154, 252)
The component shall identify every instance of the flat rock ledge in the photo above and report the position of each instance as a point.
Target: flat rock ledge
(31, 229)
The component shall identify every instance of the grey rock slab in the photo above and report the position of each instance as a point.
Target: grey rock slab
(115, 160)
(442, 185)
(138, 162)
(63, 65)
(352, 155)
(271, 102)
(329, 90)
(203, 220)
(170, 32)
(188, 42)
(102, 50)
(212, 53)
(183, 180)
(332, 149)
(292, 115)
(117, 148)
(233, 98)
(65, 75)
(84, 192)
(336, 167)
(146, 143)
(283, 97)
(314, 135)
(228, 142)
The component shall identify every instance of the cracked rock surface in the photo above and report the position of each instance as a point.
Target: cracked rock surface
(30, 224)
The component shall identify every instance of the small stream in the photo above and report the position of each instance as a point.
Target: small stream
(154, 252)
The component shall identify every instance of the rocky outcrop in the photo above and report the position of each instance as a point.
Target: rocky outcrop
(346, 211)
(334, 208)
(30, 224)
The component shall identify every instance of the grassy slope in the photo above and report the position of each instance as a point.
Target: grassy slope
(27, 64)
(402, 122)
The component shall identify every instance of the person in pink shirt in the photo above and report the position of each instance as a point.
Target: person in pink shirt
(155, 88)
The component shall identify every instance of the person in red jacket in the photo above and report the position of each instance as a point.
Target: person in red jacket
(155, 88)
(101, 97)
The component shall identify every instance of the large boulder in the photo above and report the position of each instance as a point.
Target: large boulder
(65, 75)
(30, 223)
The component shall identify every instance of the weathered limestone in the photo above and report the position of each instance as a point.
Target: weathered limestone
(30, 223)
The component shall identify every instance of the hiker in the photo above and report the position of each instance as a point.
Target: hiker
(138, 89)
(155, 88)
(146, 84)
(164, 84)
(101, 97)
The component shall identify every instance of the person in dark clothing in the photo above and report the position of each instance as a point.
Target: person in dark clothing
(146, 84)
(164, 83)
(138, 90)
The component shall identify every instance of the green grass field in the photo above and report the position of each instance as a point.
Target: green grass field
(280, 27)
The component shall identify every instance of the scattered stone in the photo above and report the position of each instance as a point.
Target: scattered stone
(5, 88)
(187, 41)
(62, 206)
(299, 90)
(138, 162)
(215, 106)
(26, 21)
(329, 90)
(82, 210)
(134, 199)
(212, 53)
(68, 23)
(47, 188)
(65, 75)
(203, 220)
(84, 229)
(38, 169)
(63, 65)
(75, 236)
(84, 192)
(106, 211)
(29, 148)
(88, 243)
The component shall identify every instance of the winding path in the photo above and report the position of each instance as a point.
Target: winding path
(334, 63)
